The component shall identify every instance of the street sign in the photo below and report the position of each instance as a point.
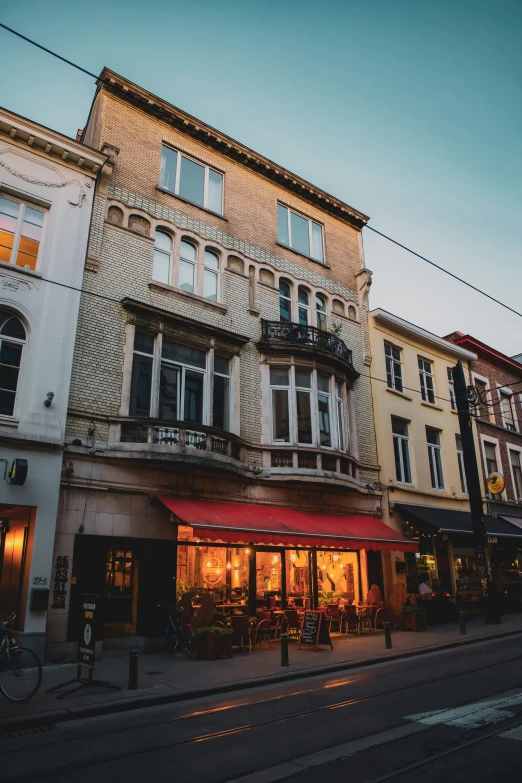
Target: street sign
(314, 631)
(86, 632)
(496, 483)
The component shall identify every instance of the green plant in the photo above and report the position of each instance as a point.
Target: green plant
(206, 629)
(407, 609)
(336, 328)
(183, 587)
(329, 597)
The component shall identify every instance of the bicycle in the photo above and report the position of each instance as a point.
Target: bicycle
(20, 668)
(178, 636)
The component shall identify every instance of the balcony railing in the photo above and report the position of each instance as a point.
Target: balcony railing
(180, 436)
(308, 336)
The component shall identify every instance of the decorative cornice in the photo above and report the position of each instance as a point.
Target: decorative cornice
(166, 112)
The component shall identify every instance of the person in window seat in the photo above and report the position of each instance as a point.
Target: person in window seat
(424, 588)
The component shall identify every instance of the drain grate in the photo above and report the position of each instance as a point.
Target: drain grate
(27, 732)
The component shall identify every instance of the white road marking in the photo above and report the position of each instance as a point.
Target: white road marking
(472, 715)
(515, 733)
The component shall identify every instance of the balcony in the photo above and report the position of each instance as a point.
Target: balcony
(285, 335)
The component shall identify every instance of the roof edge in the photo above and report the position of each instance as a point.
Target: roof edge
(422, 334)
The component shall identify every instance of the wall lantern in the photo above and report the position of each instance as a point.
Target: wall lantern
(17, 474)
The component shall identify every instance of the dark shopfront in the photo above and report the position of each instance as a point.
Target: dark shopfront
(447, 553)
(246, 555)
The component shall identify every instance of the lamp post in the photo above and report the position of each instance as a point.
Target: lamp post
(487, 584)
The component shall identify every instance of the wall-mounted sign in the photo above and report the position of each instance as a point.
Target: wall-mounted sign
(39, 581)
(496, 483)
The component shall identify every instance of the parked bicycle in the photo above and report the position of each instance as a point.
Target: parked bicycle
(20, 669)
(178, 636)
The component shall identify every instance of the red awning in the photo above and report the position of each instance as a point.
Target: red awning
(242, 523)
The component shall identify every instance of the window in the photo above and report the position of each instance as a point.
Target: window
(451, 387)
(303, 411)
(507, 410)
(435, 458)
(514, 457)
(285, 300)
(162, 259)
(490, 454)
(299, 233)
(401, 449)
(188, 257)
(280, 384)
(169, 382)
(460, 458)
(221, 398)
(195, 182)
(323, 407)
(20, 232)
(303, 300)
(210, 276)
(320, 312)
(481, 410)
(426, 381)
(352, 313)
(12, 340)
(393, 367)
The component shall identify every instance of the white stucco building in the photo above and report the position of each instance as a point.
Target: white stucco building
(46, 192)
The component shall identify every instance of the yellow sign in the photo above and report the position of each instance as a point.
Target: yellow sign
(496, 483)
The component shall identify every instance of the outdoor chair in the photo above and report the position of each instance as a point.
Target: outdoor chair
(242, 629)
(293, 623)
(274, 623)
(262, 633)
(333, 615)
(351, 617)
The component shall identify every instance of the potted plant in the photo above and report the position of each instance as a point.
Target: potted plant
(214, 641)
(413, 617)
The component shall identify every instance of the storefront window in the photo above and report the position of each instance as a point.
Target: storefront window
(218, 570)
(268, 574)
(425, 558)
(337, 573)
(466, 574)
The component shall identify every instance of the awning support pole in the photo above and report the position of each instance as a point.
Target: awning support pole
(315, 584)
(252, 597)
(282, 555)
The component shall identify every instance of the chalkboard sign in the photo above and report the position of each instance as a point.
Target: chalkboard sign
(86, 634)
(314, 631)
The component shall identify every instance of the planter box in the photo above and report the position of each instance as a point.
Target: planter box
(212, 645)
(412, 622)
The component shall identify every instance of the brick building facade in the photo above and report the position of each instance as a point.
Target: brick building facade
(221, 357)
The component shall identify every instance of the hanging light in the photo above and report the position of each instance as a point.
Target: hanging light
(336, 557)
(209, 564)
(229, 565)
(293, 556)
(247, 550)
(332, 575)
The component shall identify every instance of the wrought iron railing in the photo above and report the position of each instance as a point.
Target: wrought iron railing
(289, 332)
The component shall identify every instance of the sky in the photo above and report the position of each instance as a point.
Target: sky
(409, 111)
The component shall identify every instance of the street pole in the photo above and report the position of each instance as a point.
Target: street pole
(487, 584)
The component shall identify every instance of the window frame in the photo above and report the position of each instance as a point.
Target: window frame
(288, 299)
(215, 272)
(460, 460)
(423, 376)
(451, 388)
(165, 253)
(19, 342)
(305, 307)
(516, 471)
(24, 203)
(390, 362)
(207, 168)
(403, 442)
(438, 479)
(318, 312)
(311, 222)
(506, 396)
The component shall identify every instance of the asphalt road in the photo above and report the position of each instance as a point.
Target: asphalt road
(453, 716)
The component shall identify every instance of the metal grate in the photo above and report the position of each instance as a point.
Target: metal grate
(168, 436)
(286, 331)
(134, 433)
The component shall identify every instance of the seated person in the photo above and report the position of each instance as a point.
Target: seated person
(425, 590)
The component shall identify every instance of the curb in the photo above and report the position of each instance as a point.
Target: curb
(43, 719)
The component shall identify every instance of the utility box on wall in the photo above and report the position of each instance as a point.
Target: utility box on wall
(39, 599)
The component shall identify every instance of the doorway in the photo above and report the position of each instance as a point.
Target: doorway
(121, 591)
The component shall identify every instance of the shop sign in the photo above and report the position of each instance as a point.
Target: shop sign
(496, 483)
(86, 633)
(314, 631)
(492, 540)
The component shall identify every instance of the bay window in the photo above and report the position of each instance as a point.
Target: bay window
(320, 312)
(192, 181)
(182, 381)
(307, 408)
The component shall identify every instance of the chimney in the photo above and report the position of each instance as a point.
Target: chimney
(79, 134)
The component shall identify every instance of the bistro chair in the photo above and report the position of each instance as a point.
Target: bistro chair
(274, 622)
(333, 615)
(363, 619)
(262, 633)
(293, 623)
(351, 617)
(242, 628)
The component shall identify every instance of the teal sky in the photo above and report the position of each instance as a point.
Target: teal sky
(409, 111)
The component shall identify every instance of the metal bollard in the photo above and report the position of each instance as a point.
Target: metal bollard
(284, 650)
(462, 622)
(387, 635)
(133, 670)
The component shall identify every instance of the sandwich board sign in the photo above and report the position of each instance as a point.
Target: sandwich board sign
(314, 631)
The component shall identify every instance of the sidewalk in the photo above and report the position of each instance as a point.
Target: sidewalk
(163, 678)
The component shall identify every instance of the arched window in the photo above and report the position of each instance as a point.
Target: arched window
(320, 311)
(115, 215)
(12, 340)
(187, 267)
(303, 299)
(352, 313)
(338, 307)
(161, 263)
(139, 224)
(211, 276)
(285, 300)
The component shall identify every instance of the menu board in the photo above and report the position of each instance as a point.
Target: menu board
(314, 631)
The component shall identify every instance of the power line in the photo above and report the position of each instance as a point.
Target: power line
(380, 233)
(441, 269)
(49, 51)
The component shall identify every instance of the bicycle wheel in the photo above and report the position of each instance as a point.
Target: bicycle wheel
(189, 643)
(172, 638)
(20, 674)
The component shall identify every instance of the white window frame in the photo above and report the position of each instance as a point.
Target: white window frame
(434, 451)
(423, 374)
(493, 442)
(164, 253)
(288, 390)
(19, 223)
(12, 417)
(307, 307)
(407, 440)
(462, 469)
(512, 447)
(482, 379)
(451, 387)
(207, 168)
(506, 394)
(310, 233)
(215, 272)
(392, 361)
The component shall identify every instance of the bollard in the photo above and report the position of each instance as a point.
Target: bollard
(284, 650)
(387, 635)
(462, 622)
(133, 670)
